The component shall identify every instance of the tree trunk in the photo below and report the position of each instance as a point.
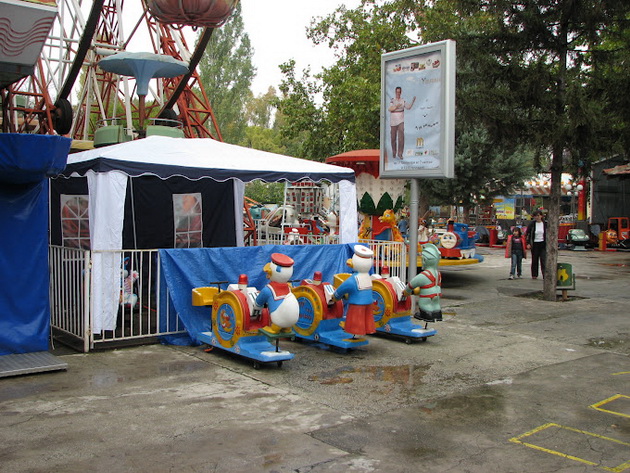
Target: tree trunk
(549, 286)
(553, 220)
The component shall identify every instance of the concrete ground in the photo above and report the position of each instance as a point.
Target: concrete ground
(510, 383)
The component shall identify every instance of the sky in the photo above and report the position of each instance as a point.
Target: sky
(277, 30)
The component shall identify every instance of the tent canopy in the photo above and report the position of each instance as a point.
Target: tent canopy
(199, 158)
(109, 170)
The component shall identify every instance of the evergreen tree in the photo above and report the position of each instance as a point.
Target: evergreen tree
(531, 81)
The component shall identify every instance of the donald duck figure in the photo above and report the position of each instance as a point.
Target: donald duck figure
(358, 288)
(284, 309)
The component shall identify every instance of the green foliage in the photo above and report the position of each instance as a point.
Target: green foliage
(533, 78)
(260, 110)
(263, 139)
(483, 170)
(265, 193)
(348, 117)
(226, 72)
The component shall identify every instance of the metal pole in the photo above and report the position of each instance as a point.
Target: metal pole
(413, 228)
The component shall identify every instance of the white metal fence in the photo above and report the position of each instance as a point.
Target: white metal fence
(141, 316)
(147, 316)
(386, 253)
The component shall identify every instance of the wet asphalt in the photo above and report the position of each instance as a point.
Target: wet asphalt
(511, 383)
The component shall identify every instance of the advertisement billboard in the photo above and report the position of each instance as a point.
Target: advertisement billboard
(418, 112)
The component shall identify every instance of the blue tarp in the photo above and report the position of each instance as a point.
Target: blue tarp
(31, 158)
(24, 302)
(185, 269)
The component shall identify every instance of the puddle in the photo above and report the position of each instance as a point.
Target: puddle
(607, 343)
(486, 402)
(453, 297)
(407, 375)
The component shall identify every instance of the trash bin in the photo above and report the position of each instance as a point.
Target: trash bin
(565, 279)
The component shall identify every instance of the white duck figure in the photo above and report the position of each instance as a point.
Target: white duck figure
(284, 309)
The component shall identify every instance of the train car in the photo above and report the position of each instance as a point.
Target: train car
(321, 316)
(236, 326)
(392, 310)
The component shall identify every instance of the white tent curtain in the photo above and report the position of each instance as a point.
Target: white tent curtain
(107, 210)
(239, 202)
(348, 218)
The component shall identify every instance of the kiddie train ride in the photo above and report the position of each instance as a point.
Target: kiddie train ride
(455, 241)
(244, 320)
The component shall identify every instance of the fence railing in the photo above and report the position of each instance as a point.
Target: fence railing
(70, 295)
(386, 253)
(141, 314)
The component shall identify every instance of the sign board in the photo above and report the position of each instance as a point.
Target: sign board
(418, 112)
(504, 208)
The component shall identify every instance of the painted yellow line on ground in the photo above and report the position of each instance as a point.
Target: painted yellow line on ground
(621, 372)
(616, 469)
(597, 405)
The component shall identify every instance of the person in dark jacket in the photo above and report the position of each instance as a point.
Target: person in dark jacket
(516, 250)
(537, 242)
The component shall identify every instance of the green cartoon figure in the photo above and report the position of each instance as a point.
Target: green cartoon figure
(428, 286)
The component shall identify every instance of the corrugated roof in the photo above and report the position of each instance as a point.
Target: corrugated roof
(621, 170)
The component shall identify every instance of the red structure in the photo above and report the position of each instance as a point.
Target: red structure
(361, 160)
(41, 103)
(205, 13)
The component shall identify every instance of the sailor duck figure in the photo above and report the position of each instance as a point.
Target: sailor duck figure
(358, 289)
(284, 310)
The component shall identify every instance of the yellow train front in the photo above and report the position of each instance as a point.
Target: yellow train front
(321, 316)
(235, 326)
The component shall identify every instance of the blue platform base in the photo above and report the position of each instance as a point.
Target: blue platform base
(406, 328)
(329, 333)
(256, 348)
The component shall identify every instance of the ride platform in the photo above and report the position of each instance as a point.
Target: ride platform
(256, 348)
(405, 328)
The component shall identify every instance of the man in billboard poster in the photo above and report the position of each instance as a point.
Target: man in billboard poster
(397, 107)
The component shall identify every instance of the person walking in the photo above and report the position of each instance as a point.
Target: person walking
(516, 249)
(537, 242)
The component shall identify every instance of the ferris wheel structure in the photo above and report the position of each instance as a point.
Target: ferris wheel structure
(69, 94)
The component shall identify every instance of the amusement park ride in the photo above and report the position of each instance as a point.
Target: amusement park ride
(456, 241)
(53, 52)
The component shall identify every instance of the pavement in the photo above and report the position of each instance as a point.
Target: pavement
(511, 383)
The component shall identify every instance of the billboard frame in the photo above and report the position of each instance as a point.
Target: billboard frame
(426, 68)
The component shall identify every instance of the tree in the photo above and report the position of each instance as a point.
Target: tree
(226, 71)
(483, 166)
(536, 61)
(338, 110)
